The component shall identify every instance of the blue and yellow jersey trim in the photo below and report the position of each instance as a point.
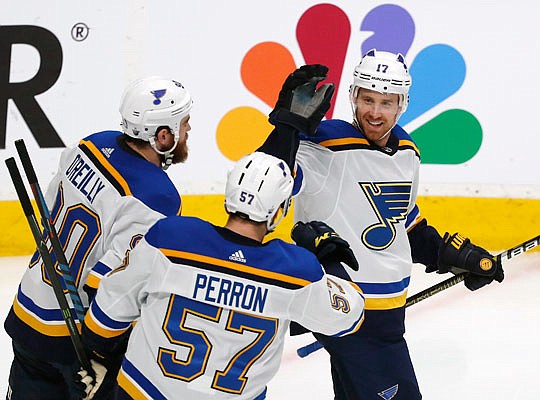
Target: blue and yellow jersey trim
(113, 176)
(102, 325)
(49, 322)
(134, 383)
(350, 143)
(98, 272)
(413, 218)
(131, 175)
(408, 144)
(385, 296)
(338, 135)
(231, 268)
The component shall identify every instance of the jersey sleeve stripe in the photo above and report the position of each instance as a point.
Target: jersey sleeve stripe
(101, 268)
(133, 382)
(354, 327)
(101, 163)
(218, 265)
(93, 280)
(99, 323)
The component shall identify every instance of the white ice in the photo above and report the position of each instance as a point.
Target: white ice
(465, 345)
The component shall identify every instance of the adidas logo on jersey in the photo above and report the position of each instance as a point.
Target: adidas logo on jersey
(237, 256)
(107, 151)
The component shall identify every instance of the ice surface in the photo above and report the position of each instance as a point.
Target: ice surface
(465, 345)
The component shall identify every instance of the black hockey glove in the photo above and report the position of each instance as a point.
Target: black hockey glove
(324, 242)
(457, 254)
(300, 104)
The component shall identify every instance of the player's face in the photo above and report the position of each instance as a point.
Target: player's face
(180, 154)
(376, 113)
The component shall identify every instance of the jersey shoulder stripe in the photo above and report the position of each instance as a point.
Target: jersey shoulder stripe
(338, 135)
(233, 268)
(131, 175)
(405, 140)
(192, 241)
(99, 160)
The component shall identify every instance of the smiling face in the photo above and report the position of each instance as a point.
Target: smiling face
(376, 113)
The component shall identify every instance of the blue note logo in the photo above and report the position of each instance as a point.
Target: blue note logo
(389, 393)
(389, 202)
(158, 94)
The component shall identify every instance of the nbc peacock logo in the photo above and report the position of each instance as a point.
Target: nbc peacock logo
(323, 33)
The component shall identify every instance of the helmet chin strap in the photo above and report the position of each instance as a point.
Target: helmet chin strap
(167, 162)
(167, 155)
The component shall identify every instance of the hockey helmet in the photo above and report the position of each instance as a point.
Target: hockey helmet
(383, 72)
(152, 102)
(258, 186)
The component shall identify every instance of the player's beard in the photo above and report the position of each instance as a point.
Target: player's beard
(180, 153)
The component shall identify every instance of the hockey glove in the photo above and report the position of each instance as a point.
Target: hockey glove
(457, 254)
(85, 386)
(300, 104)
(324, 242)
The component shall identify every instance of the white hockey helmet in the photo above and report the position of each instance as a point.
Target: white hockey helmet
(151, 102)
(383, 72)
(257, 187)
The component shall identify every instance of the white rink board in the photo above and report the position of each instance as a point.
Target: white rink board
(202, 44)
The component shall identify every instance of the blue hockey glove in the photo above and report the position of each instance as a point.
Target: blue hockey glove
(300, 104)
(457, 254)
(324, 242)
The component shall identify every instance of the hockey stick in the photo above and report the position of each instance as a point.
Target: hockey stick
(48, 263)
(50, 230)
(439, 287)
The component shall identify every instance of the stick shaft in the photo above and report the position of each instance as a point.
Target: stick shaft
(439, 287)
(48, 225)
(48, 263)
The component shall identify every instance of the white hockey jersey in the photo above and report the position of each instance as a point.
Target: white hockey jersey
(103, 199)
(367, 194)
(213, 309)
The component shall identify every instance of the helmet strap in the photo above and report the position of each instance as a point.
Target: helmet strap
(167, 155)
(276, 219)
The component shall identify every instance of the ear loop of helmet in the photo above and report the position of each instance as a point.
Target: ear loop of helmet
(167, 154)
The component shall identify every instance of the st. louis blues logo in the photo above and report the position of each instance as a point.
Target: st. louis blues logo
(389, 393)
(389, 202)
(158, 94)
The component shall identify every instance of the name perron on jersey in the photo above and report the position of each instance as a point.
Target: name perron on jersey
(103, 199)
(368, 195)
(210, 326)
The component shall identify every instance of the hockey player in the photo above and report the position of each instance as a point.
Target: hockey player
(108, 191)
(214, 303)
(362, 179)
